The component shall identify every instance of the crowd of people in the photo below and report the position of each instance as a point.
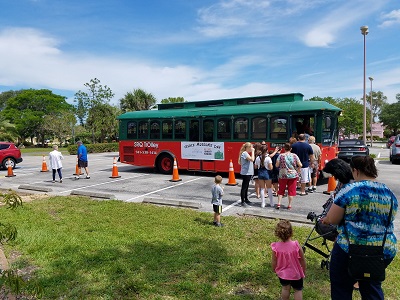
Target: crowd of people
(279, 171)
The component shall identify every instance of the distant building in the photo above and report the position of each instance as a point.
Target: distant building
(377, 131)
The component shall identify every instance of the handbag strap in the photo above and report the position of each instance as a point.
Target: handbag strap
(387, 225)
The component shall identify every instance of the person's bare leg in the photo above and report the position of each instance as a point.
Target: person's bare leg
(290, 201)
(285, 294)
(302, 188)
(298, 295)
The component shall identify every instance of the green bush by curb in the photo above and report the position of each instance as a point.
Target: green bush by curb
(95, 148)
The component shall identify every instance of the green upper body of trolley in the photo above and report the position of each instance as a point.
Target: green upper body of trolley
(273, 106)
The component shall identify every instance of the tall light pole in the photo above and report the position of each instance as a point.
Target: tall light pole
(364, 32)
(372, 114)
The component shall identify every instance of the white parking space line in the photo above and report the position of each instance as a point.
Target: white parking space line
(68, 177)
(230, 206)
(379, 155)
(166, 188)
(107, 182)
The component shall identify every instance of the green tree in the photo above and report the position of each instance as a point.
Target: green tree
(102, 120)
(4, 96)
(96, 94)
(330, 100)
(378, 101)
(173, 100)
(389, 116)
(8, 131)
(60, 124)
(27, 111)
(138, 100)
(351, 119)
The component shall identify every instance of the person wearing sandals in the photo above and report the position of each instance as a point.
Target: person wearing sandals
(289, 165)
(246, 162)
(361, 210)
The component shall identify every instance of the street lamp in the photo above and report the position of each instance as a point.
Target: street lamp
(372, 114)
(364, 32)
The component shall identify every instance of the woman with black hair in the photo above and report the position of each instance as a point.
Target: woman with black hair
(362, 210)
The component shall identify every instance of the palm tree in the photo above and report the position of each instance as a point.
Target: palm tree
(138, 100)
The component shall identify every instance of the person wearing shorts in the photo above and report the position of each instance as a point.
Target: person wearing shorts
(217, 191)
(288, 261)
(306, 155)
(82, 160)
(288, 164)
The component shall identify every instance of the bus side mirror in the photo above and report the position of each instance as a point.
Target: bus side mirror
(328, 122)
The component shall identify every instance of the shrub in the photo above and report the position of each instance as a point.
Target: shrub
(95, 148)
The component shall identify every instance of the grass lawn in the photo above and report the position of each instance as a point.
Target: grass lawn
(77, 248)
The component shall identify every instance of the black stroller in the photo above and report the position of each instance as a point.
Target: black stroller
(325, 232)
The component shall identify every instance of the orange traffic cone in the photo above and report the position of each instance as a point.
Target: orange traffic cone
(10, 172)
(77, 169)
(114, 173)
(175, 175)
(232, 180)
(44, 165)
(331, 185)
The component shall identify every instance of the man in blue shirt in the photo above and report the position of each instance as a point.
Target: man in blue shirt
(306, 156)
(82, 159)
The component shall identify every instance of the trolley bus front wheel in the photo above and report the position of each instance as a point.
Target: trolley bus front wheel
(165, 164)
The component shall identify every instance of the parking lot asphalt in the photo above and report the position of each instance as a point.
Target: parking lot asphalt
(137, 184)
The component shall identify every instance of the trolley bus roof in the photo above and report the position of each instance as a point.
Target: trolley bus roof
(253, 108)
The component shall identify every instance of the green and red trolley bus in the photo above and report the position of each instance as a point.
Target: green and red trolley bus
(206, 135)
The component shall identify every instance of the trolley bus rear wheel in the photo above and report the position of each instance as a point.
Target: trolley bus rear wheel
(165, 164)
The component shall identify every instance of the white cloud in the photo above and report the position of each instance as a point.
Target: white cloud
(250, 17)
(31, 59)
(326, 29)
(393, 18)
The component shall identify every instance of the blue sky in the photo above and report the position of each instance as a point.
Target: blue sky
(201, 49)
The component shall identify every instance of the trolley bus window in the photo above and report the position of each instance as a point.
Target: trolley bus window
(143, 130)
(194, 130)
(224, 129)
(208, 130)
(154, 130)
(278, 127)
(241, 129)
(132, 130)
(329, 132)
(167, 129)
(259, 129)
(180, 130)
(303, 124)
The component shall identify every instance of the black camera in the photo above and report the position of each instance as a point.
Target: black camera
(311, 216)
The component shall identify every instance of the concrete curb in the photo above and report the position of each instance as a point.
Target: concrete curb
(172, 202)
(93, 195)
(35, 188)
(274, 214)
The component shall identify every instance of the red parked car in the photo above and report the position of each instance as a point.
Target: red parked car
(9, 151)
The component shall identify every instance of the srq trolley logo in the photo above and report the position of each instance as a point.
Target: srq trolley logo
(146, 145)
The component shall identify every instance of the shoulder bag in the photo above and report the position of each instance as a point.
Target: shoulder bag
(367, 262)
